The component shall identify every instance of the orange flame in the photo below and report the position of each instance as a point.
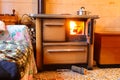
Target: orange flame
(76, 27)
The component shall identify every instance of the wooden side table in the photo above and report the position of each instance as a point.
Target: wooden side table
(107, 48)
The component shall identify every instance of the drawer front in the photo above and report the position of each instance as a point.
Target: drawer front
(53, 30)
(110, 41)
(64, 54)
(110, 55)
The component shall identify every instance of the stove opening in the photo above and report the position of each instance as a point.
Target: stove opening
(77, 30)
(76, 27)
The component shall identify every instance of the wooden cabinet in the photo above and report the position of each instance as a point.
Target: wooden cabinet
(107, 48)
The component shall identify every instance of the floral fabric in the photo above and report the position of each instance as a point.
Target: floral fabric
(18, 33)
(16, 47)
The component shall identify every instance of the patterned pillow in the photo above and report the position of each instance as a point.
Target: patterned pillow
(18, 33)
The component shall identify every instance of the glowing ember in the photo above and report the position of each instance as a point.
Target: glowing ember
(76, 27)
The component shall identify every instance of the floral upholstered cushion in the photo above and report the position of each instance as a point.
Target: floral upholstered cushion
(18, 33)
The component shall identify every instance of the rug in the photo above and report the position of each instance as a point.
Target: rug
(95, 74)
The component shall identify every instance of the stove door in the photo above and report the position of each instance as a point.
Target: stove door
(54, 30)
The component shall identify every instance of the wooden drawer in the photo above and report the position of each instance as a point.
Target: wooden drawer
(54, 30)
(64, 54)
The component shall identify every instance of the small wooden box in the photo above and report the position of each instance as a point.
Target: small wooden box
(9, 19)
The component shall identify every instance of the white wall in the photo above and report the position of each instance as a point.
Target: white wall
(21, 6)
(108, 10)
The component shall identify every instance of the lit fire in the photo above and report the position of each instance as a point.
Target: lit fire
(76, 27)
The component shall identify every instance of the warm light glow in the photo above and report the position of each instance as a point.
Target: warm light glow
(76, 27)
(72, 27)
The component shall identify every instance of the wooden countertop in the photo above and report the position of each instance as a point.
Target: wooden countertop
(108, 33)
(63, 16)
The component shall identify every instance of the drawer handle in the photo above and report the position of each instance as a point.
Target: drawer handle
(65, 50)
(52, 25)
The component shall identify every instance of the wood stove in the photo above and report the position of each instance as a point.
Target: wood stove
(64, 39)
